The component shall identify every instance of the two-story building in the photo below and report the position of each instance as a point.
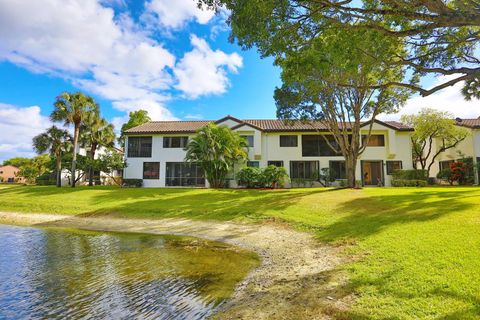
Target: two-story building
(468, 148)
(155, 150)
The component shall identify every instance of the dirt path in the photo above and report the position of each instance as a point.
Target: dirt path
(296, 280)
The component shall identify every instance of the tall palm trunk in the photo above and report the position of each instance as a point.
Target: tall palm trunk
(90, 170)
(59, 170)
(76, 133)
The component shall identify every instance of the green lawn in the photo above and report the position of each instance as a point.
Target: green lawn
(417, 250)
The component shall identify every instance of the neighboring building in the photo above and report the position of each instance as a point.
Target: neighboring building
(468, 148)
(8, 174)
(100, 177)
(155, 150)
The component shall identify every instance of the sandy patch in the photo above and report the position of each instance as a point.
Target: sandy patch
(296, 280)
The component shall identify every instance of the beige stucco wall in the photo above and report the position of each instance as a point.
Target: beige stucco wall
(9, 172)
(470, 147)
(267, 148)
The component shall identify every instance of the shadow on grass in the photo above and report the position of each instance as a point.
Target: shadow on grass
(366, 216)
(220, 204)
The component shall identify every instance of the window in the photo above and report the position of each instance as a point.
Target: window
(445, 164)
(175, 142)
(337, 170)
(288, 141)
(315, 146)
(304, 169)
(392, 166)
(139, 147)
(151, 170)
(275, 163)
(376, 140)
(254, 164)
(184, 174)
(249, 140)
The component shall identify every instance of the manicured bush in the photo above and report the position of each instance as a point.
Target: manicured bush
(249, 177)
(273, 177)
(269, 177)
(413, 174)
(132, 183)
(408, 183)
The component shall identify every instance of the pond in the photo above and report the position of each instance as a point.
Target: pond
(64, 273)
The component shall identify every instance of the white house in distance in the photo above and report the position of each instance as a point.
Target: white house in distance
(468, 148)
(155, 150)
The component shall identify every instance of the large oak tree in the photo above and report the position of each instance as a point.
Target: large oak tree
(441, 37)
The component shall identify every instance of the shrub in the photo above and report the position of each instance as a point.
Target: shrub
(46, 179)
(133, 183)
(249, 177)
(413, 174)
(445, 175)
(408, 183)
(269, 177)
(272, 177)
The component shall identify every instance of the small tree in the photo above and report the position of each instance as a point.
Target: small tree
(110, 162)
(432, 126)
(56, 141)
(135, 118)
(216, 149)
(34, 168)
(73, 108)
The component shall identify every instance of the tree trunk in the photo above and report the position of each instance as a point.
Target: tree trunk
(59, 170)
(92, 155)
(74, 157)
(350, 168)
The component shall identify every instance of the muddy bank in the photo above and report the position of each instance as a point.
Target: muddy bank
(296, 280)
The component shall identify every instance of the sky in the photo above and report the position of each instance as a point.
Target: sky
(167, 57)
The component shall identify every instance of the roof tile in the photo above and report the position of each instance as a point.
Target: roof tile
(267, 125)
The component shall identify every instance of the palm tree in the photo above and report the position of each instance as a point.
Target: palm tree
(73, 108)
(97, 132)
(216, 149)
(55, 141)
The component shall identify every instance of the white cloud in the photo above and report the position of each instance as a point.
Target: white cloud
(449, 99)
(203, 71)
(85, 43)
(174, 14)
(18, 126)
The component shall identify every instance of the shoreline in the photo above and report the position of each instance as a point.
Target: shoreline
(289, 283)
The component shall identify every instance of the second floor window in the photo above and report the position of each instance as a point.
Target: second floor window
(175, 142)
(316, 146)
(249, 140)
(288, 141)
(376, 140)
(139, 147)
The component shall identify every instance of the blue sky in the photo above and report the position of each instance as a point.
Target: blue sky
(167, 57)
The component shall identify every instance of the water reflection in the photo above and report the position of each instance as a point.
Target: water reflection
(48, 273)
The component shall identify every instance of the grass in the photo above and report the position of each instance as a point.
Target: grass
(417, 250)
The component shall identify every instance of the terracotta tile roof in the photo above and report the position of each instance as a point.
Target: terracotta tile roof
(469, 123)
(169, 127)
(267, 125)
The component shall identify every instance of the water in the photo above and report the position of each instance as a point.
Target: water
(56, 273)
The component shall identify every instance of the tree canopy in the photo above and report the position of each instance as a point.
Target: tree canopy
(55, 141)
(439, 37)
(16, 161)
(135, 118)
(314, 79)
(435, 132)
(73, 109)
(216, 149)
